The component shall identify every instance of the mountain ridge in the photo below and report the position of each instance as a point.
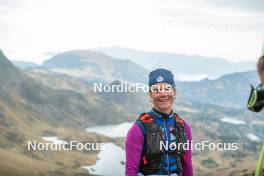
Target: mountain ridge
(213, 67)
(95, 66)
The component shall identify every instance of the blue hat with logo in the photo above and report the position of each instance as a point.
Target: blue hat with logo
(161, 76)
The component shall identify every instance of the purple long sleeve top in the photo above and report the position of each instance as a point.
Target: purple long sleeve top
(134, 147)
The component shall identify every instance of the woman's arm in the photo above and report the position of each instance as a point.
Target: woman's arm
(133, 146)
(187, 159)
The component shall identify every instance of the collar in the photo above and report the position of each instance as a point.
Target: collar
(159, 114)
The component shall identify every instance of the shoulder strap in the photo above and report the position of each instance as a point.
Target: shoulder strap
(178, 119)
(146, 118)
(143, 120)
(180, 128)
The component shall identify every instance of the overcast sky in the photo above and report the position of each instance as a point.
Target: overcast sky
(35, 30)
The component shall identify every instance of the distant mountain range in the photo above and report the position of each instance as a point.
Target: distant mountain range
(134, 64)
(24, 64)
(57, 106)
(95, 66)
(229, 90)
(185, 67)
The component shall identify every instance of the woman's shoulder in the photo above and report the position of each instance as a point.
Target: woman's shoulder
(188, 130)
(134, 130)
(187, 125)
(134, 134)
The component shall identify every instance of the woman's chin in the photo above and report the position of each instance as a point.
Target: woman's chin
(164, 107)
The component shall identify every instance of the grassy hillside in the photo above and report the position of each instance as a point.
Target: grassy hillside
(30, 110)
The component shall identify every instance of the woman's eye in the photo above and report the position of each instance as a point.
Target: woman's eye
(168, 89)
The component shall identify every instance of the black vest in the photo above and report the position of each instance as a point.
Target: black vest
(157, 159)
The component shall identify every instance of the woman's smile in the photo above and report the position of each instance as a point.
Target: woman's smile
(164, 100)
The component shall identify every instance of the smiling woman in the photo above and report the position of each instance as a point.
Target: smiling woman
(160, 125)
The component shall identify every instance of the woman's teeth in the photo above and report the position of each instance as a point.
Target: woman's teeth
(164, 100)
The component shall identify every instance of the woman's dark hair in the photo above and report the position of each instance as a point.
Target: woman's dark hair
(261, 63)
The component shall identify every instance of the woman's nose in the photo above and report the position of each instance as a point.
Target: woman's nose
(163, 93)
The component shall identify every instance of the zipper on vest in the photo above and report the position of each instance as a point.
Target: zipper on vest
(165, 128)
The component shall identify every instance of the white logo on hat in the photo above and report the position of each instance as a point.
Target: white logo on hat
(159, 79)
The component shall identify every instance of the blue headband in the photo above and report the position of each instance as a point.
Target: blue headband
(161, 76)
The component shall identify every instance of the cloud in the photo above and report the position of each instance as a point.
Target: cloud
(245, 5)
(8, 3)
(215, 15)
(255, 6)
(33, 28)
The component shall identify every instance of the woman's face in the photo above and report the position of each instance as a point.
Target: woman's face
(163, 97)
